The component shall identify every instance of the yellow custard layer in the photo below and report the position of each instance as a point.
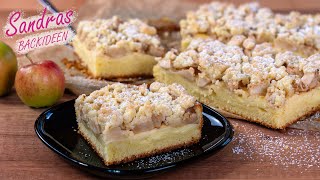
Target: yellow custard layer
(142, 144)
(102, 66)
(252, 108)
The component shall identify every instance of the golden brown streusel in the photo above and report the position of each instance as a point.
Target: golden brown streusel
(114, 36)
(249, 24)
(264, 73)
(136, 108)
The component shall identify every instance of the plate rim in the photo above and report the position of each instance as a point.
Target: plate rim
(225, 140)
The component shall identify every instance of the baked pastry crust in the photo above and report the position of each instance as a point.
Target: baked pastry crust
(126, 122)
(267, 87)
(113, 48)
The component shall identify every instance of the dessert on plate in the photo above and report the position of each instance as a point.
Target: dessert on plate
(249, 24)
(113, 48)
(265, 86)
(126, 122)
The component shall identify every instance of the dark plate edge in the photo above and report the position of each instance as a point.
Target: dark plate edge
(227, 138)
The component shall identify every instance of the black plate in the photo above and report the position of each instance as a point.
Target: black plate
(57, 128)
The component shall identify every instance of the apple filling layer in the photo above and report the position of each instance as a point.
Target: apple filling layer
(126, 122)
(274, 89)
(114, 48)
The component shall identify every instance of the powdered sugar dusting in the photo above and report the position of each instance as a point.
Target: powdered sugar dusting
(293, 148)
(165, 158)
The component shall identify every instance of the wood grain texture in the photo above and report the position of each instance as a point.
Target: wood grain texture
(23, 155)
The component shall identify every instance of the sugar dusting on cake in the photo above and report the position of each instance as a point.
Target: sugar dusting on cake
(294, 148)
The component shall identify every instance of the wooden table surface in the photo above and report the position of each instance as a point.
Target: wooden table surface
(255, 153)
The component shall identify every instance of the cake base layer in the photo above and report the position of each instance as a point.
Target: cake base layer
(251, 108)
(102, 66)
(143, 144)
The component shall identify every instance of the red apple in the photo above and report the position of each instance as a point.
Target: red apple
(40, 84)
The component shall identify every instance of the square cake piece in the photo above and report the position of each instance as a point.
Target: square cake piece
(250, 24)
(272, 88)
(113, 48)
(126, 122)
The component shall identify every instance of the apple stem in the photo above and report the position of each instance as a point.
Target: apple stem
(28, 57)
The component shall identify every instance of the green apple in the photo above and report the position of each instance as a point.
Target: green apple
(8, 68)
(40, 84)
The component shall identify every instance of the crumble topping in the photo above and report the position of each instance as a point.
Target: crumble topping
(262, 73)
(249, 23)
(116, 37)
(119, 107)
